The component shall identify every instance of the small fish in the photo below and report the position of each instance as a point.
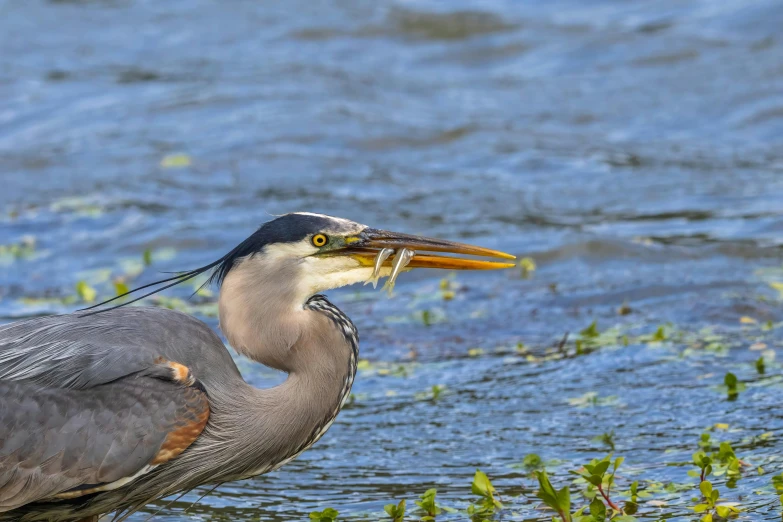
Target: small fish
(383, 255)
(401, 260)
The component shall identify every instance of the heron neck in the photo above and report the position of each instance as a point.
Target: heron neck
(313, 341)
(261, 314)
(281, 422)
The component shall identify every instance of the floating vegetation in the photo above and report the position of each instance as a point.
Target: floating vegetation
(527, 266)
(761, 366)
(428, 506)
(79, 206)
(559, 500)
(606, 438)
(327, 515)
(85, 292)
(396, 511)
(532, 461)
(433, 394)
(488, 501)
(25, 248)
(176, 161)
(593, 399)
(719, 463)
(733, 386)
(709, 507)
(448, 288)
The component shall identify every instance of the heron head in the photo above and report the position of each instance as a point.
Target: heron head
(322, 252)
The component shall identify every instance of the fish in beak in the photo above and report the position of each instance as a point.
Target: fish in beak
(381, 248)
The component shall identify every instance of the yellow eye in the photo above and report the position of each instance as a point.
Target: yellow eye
(319, 240)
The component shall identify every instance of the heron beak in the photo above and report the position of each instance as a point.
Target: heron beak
(366, 246)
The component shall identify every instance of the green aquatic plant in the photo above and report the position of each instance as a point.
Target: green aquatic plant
(430, 316)
(120, 287)
(396, 511)
(590, 399)
(447, 288)
(591, 332)
(733, 386)
(527, 266)
(728, 464)
(176, 161)
(433, 394)
(488, 503)
(532, 462)
(24, 248)
(777, 483)
(595, 474)
(704, 463)
(659, 335)
(761, 366)
(85, 292)
(559, 500)
(606, 438)
(327, 515)
(720, 462)
(709, 505)
(632, 504)
(428, 505)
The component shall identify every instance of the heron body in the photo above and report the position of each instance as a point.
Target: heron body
(106, 412)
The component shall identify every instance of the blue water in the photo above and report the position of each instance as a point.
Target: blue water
(633, 149)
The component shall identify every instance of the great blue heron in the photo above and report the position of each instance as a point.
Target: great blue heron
(104, 412)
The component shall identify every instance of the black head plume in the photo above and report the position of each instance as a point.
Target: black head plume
(287, 228)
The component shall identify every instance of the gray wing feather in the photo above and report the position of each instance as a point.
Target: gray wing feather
(81, 351)
(55, 440)
(80, 403)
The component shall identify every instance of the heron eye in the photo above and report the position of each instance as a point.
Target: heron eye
(319, 240)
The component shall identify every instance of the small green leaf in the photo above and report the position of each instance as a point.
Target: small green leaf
(730, 380)
(85, 291)
(481, 484)
(173, 161)
(722, 511)
(598, 510)
(120, 287)
(601, 467)
(532, 461)
(591, 331)
(660, 334)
